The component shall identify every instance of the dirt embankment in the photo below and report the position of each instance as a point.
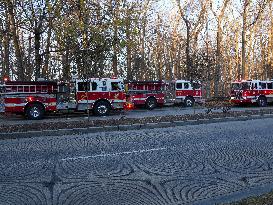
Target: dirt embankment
(39, 125)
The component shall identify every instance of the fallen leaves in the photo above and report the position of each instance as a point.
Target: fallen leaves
(41, 125)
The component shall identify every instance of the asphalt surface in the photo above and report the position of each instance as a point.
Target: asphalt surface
(196, 164)
(137, 113)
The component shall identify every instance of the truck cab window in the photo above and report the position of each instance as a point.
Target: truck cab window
(94, 86)
(178, 85)
(121, 85)
(196, 86)
(83, 86)
(186, 86)
(115, 86)
(254, 86)
(263, 85)
(235, 86)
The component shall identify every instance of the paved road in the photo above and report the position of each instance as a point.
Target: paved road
(201, 164)
(137, 113)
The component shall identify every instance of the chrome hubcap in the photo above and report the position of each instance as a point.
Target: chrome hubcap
(188, 102)
(102, 109)
(150, 104)
(35, 112)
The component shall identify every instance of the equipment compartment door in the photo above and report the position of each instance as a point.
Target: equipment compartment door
(169, 91)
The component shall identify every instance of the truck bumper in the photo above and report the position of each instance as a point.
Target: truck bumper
(241, 101)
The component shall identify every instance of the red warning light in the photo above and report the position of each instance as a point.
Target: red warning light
(6, 79)
(129, 106)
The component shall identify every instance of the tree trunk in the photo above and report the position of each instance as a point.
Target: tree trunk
(115, 50)
(29, 67)
(6, 53)
(65, 63)
(115, 11)
(45, 71)
(246, 2)
(158, 50)
(207, 76)
(188, 57)
(270, 47)
(128, 48)
(218, 61)
(14, 32)
(38, 58)
(143, 70)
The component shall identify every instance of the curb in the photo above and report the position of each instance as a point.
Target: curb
(78, 131)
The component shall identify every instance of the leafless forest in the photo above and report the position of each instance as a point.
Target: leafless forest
(215, 42)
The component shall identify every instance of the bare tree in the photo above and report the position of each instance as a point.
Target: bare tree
(219, 37)
(247, 23)
(5, 33)
(17, 46)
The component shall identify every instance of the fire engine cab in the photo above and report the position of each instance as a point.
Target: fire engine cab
(252, 91)
(159, 93)
(188, 92)
(34, 99)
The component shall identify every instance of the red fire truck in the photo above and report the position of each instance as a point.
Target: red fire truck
(34, 99)
(188, 92)
(158, 93)
(148, 93)
(252, 91)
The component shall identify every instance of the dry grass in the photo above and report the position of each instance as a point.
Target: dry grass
(266, 199)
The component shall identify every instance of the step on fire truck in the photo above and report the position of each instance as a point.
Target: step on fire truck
(252, 91)
(34, 99)
(159, 93)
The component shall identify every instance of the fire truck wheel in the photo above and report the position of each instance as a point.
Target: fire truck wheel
(151, 103)
(101, 108)
(189, 101)
(35, 112)
(262, 102)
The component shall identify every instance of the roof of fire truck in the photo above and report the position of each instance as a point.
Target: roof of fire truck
(145, 82)
(30, 83)
(242, 81)
(187, 81)
(99, 79)
(183, 81)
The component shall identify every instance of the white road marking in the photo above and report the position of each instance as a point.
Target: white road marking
(115, 154)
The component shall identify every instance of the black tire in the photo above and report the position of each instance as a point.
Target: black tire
(151, 103)
(35, 112)
(208, 111)
(189, 101)
(262, 101)
(225, 109)
(101, 108)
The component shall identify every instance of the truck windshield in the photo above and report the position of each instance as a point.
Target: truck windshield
(196, 85)
(235, 86)
(245, 86)
(121, 85)
(117, 86)
(240, 86)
